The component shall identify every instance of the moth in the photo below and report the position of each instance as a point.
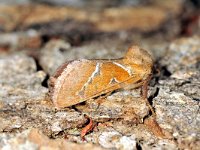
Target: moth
(80, 80)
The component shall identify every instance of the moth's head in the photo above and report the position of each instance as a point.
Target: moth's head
(139, 56)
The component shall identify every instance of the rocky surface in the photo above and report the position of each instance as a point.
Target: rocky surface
(34, 139)
(177, 101)
(36, 45)
(119, 116)
(20, 81)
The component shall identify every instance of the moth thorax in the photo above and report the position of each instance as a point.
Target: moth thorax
(139, 56)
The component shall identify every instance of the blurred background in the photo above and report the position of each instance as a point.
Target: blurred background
(82, 21)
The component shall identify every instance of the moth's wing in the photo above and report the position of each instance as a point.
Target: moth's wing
(82, 80)
(110, 78)
(103, 81)
(70, 82)
(52, 80)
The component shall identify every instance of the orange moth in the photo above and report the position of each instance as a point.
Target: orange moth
(80, 80)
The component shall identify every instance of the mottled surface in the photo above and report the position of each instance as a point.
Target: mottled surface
(178, 101)
(34, 139)
(36, 39)
(177, 111)
(20, 81)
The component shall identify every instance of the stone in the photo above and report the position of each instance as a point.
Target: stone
(20, 82)
(113, 139)
(177, 100)
(34, 139)
(178, 114)
(182, 54)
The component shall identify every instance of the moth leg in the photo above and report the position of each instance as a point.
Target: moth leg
(144, 90)
(144, 94)
(151, 121)
(87, 128)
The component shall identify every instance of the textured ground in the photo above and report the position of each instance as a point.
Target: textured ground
(37, 38)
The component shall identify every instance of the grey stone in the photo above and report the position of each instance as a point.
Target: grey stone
(20, 81)
(182, 54)
(177, 102)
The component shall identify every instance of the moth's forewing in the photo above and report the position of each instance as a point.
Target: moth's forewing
(70, 82)
(84, 79)
(109, 76)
